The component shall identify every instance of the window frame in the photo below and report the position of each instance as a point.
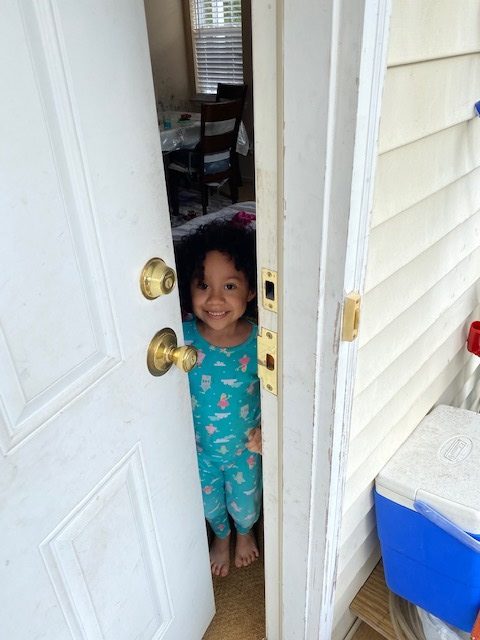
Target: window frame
(207, 97)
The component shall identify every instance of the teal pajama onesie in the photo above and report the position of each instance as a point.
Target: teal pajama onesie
(225, 392)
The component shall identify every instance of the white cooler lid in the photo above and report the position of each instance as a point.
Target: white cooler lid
(439, 464)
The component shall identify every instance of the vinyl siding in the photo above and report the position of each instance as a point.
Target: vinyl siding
(422, 285)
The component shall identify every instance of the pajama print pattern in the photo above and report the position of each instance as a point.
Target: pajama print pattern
(225, 392)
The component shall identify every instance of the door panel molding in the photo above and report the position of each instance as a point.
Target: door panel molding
(87, 345)
(92, 539)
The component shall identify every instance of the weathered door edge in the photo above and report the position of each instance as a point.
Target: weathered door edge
(371, 80)
(333, 56)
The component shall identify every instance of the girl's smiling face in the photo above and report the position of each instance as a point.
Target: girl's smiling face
(220, 298)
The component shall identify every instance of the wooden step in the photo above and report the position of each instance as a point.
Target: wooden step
(364, 632)
(371, 606)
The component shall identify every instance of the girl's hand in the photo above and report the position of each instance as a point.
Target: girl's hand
(254, 443)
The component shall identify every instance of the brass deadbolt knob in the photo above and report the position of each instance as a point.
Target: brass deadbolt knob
(157, 279)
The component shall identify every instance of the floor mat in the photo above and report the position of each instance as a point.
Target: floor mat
(240, 605)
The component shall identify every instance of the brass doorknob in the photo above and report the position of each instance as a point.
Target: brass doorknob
(157, 279)
(163, 352)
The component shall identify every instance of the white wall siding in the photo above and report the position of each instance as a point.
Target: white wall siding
(409, 324)
(422, 281)
(353, 578)
(416, 98)
(408, 234)
(433, 29)
(415, 171)
(420, 360)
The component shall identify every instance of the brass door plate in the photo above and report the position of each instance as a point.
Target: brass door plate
(351, 317)
(267, 359)
(269, 290)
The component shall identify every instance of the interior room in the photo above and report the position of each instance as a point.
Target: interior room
(195, 45)
(201, 56)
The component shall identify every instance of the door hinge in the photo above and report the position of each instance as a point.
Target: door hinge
(267, 359)
(269, 289)
(351, 316)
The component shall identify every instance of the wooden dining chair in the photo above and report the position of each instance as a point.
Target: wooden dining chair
(211, 163)
(233, 92)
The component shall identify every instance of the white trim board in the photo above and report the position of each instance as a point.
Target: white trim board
(267, 115)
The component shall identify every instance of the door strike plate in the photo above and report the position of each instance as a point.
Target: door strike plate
(351, 317)
(269, 289)
(267, 359)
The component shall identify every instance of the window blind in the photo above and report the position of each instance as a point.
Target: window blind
(217, 43)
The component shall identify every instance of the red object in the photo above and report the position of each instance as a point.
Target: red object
(475, 635)
(473, 340)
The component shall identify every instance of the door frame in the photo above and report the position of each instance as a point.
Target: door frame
(318, 78)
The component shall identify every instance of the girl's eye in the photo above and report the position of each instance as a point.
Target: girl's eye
(202, 285)
(230, 286)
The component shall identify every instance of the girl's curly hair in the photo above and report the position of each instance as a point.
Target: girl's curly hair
(238, 242)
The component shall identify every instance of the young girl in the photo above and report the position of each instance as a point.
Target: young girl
(217, 276)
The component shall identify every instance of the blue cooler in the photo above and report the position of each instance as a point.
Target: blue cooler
(427, 501)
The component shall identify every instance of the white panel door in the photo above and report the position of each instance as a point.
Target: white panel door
(101, 525)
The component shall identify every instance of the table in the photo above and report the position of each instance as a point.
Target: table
(186, 134)
(227, 213)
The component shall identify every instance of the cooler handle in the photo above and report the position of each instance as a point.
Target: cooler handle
(447, 525)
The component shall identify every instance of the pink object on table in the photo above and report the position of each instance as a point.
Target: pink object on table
(243, 218)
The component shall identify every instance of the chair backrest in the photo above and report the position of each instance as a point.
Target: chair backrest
(219, 126)
(231, 92)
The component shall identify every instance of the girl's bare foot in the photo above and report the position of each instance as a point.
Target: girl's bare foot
(246, 550)
(220, 556)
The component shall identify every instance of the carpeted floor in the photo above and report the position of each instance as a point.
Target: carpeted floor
(240, 604)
